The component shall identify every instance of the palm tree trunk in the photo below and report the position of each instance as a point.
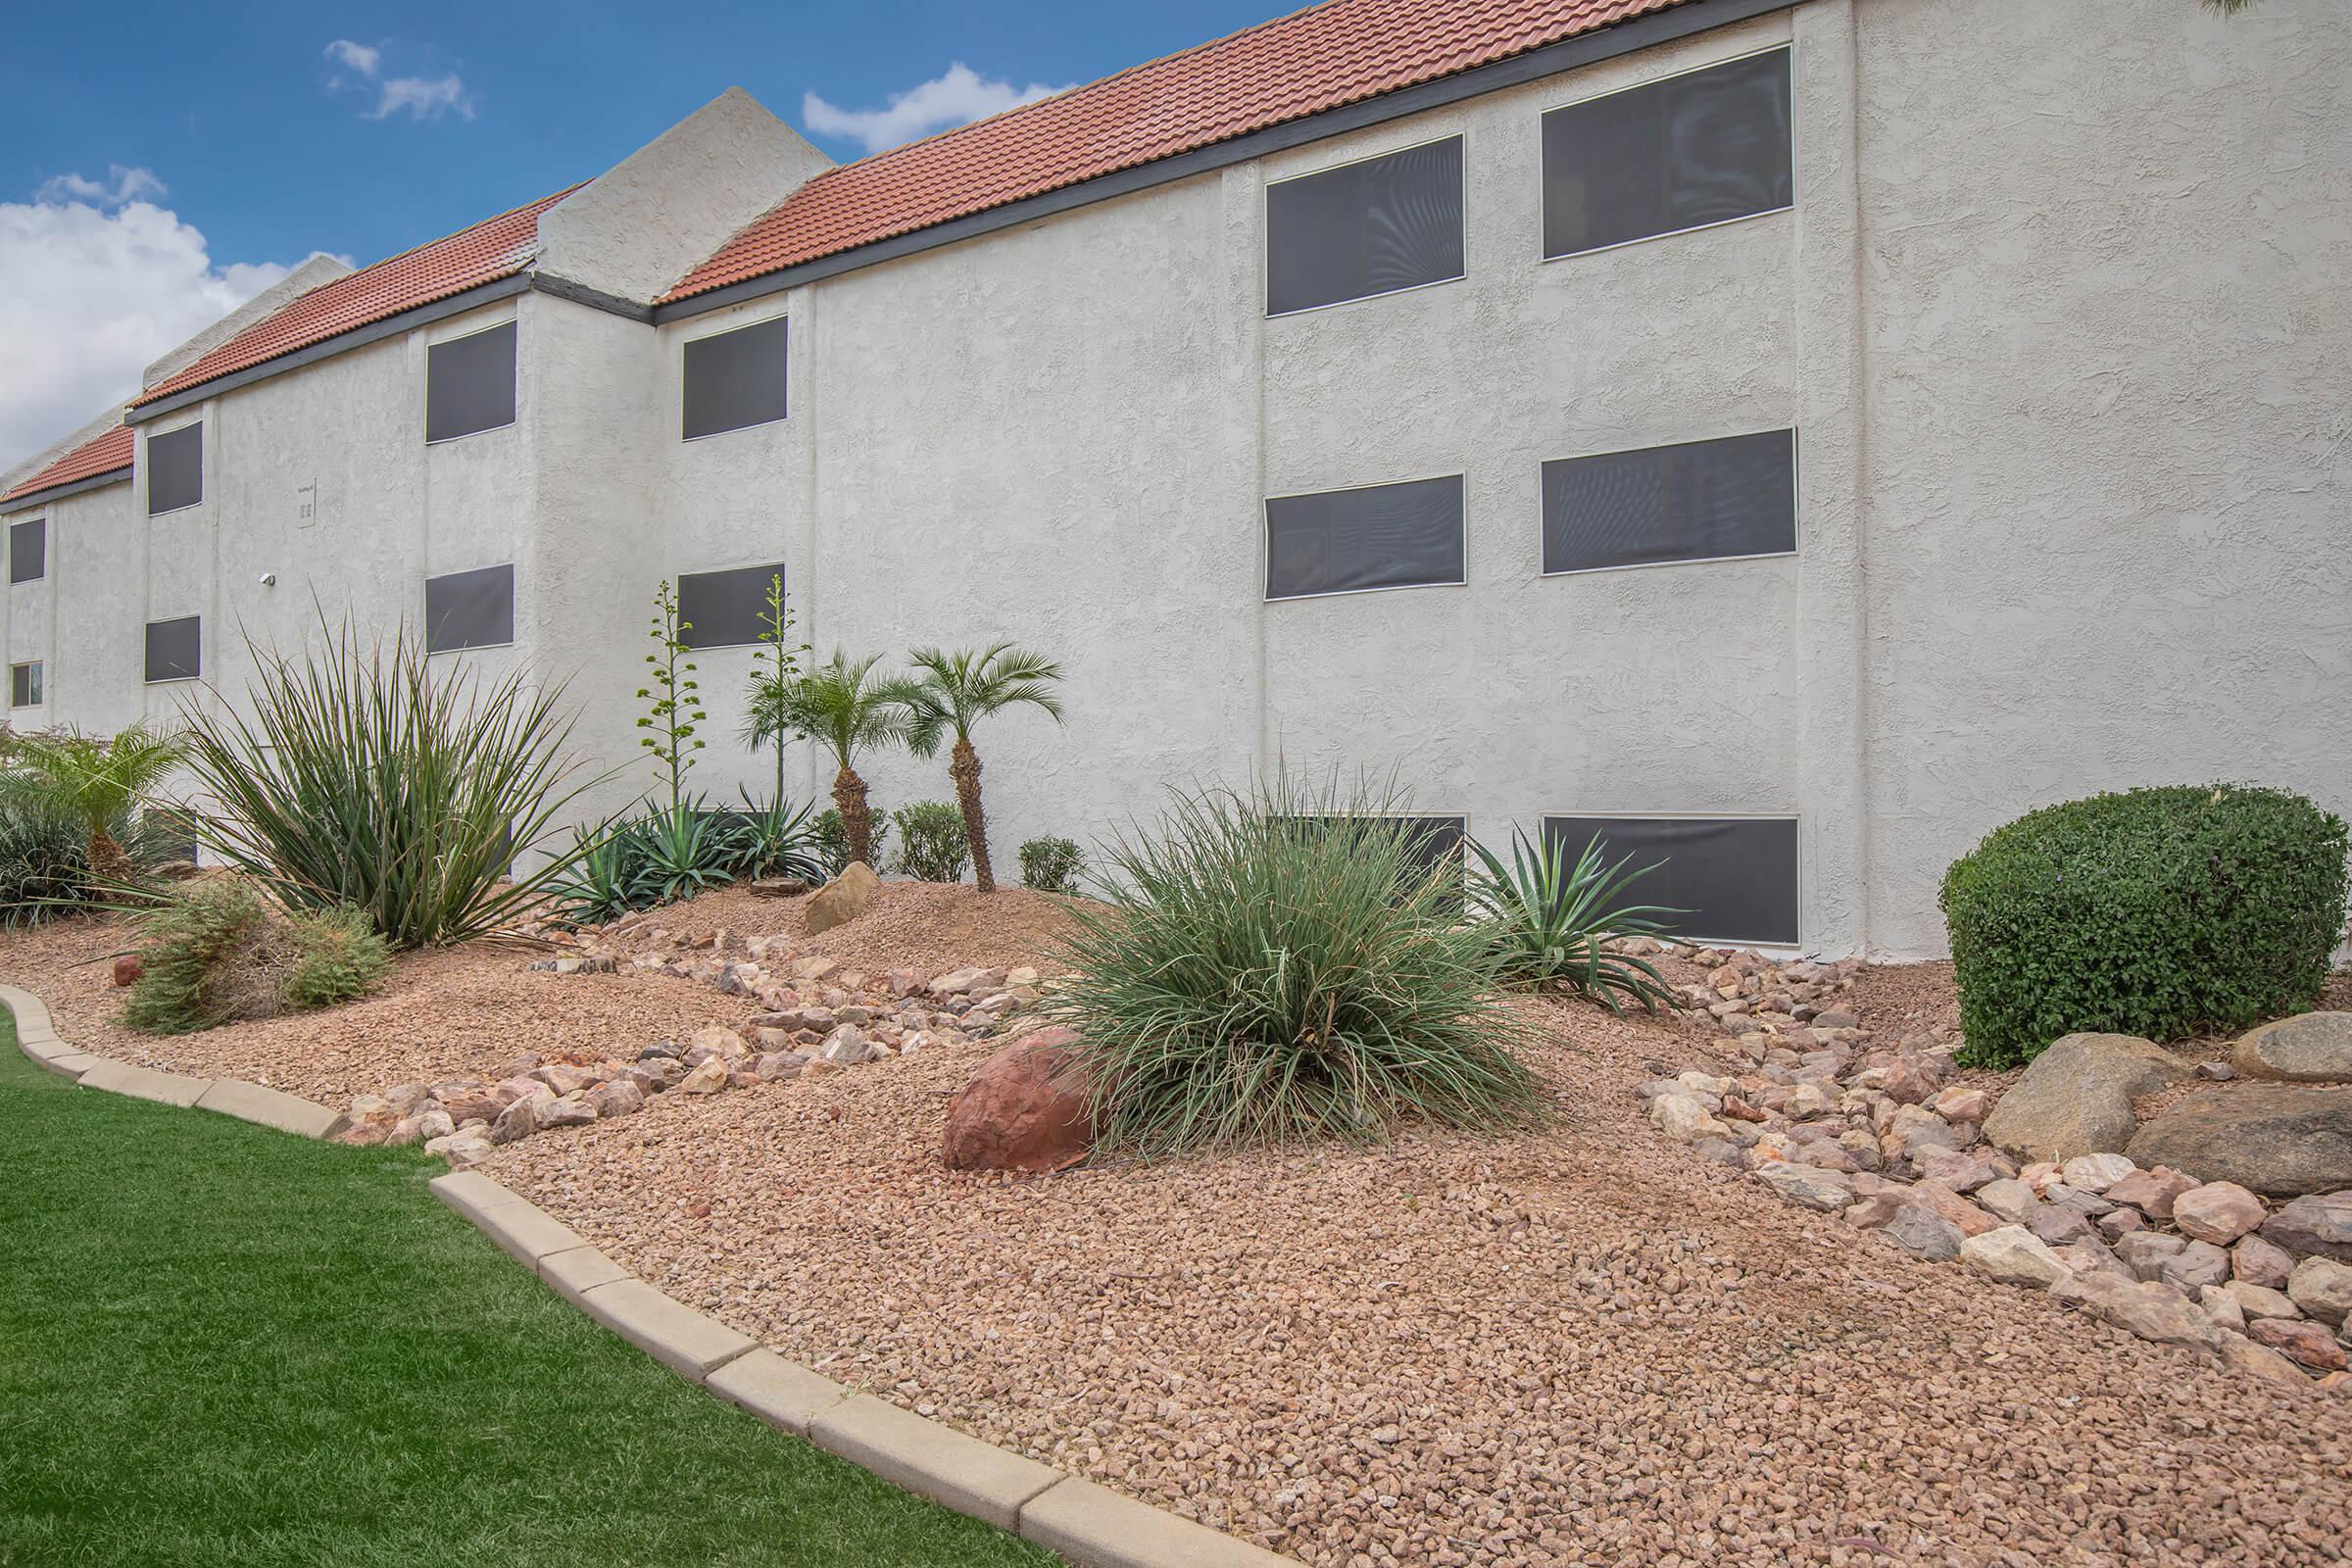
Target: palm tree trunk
(964, 769)
(857, 822)
(108, 862)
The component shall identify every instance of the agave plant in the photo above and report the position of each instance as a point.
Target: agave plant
(778, 839)
(605, 875)
(1549, 919)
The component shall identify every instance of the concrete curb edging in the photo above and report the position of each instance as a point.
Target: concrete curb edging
(1086, 1523)
(37, 1038)
(1090, 1524)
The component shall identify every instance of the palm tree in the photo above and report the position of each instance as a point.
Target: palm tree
(837, 706)
(100, 781)
(954, 690)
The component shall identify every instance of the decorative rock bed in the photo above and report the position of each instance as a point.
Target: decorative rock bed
(816, 1016)
(2036, 1190)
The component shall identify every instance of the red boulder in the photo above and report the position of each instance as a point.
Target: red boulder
(1027, 1108)
(128, 968)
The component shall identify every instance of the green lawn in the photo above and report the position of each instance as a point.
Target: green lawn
(220, 1344)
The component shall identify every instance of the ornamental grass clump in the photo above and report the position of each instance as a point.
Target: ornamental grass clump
(2160, 912)
(366, 779)
(1256, 979)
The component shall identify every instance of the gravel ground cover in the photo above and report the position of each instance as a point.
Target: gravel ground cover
(466, 1011)
(1578, 1347)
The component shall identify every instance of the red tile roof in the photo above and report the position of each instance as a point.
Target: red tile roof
(1319, 59)
(496, 248)
(104, 454)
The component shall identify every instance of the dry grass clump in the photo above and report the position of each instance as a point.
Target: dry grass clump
(220, 953)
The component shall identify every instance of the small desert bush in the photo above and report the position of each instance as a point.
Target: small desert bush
(336, 957)
(1254, 979)
(829, 840)
(932, 846)
(1051, 865)
(1548, 917)
(220, 953)
(370, 779)
(2160, 912)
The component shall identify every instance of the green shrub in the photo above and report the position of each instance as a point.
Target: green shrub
(44, 860)
(220, 953)
(2159, 912)
(1051, 865)
(1253, 979)
(932, 843)
(1548, 919)
(337, 957)
(830, 841)
(369, 778)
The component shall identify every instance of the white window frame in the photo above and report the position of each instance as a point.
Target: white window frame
(790, 396)
(513, 595)
(1265, 228)
(1265, 539)
(204, 459)
(1798, 818)
(1786, 45)
(1796, 510)
(513, 319)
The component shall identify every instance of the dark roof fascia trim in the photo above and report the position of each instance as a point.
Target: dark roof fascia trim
(58, 492)
(498, 288)
(1626, 37)
(563, 288)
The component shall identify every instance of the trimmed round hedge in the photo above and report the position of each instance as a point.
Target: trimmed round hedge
(2160, 912)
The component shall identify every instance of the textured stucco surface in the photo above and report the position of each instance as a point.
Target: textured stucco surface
(2060, 313)
(636, 228)
(2110, 370)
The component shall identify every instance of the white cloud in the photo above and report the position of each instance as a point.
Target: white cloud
(128, 185)
(355, 56)
(422, 99)
(417, 97)
(90, 294)
(958, 96)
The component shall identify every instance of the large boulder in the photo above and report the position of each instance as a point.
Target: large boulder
(2318, 1225)
(2278, 1141)
(842, 899)
(2311, 1047)
(2076, 1099)
(1027, 1108)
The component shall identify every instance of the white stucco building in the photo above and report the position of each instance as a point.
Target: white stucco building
(1796, 437)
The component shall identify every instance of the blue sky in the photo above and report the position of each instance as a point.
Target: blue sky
(189, 151)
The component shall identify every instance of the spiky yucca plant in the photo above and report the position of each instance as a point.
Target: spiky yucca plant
(1255, 978)
(366, 778)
